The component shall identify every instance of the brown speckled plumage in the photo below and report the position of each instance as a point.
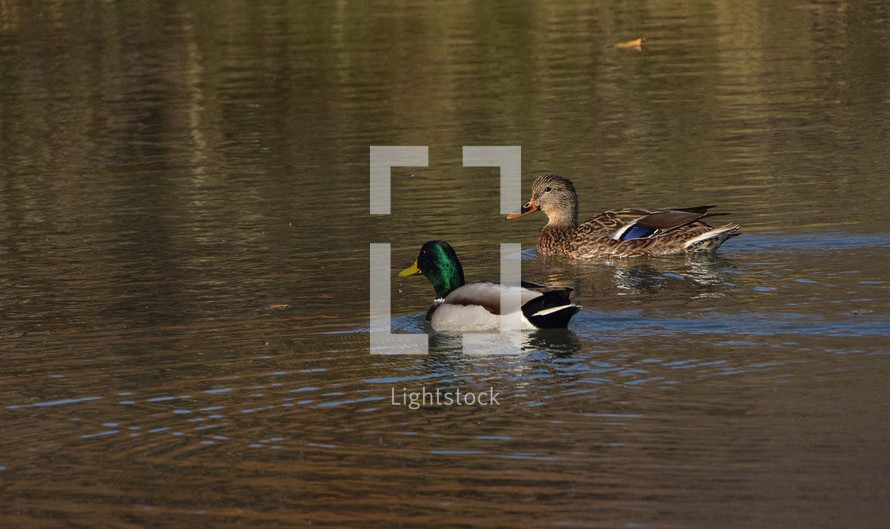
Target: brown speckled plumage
(665, 231)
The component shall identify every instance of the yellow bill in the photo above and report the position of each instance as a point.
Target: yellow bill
(410, 271)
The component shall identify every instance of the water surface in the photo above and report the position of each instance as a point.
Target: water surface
(184, 236)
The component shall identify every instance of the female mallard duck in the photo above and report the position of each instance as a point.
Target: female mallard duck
(622, 233)
(477, 306)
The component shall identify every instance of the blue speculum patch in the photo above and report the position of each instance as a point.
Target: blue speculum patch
(637, 232)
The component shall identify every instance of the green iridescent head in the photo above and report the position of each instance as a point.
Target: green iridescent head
(438, 262)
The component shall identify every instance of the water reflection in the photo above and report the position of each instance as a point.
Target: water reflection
(552, 342)
(555, 343)
(603, 283)
(170, 171)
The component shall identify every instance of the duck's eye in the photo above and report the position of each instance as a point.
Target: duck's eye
(547, 189)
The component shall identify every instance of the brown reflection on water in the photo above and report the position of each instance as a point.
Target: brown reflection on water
(285, 437)
(172, 171)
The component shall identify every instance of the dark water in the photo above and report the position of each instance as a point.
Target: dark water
(184, 236)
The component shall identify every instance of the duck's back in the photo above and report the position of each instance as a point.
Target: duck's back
(638, 232)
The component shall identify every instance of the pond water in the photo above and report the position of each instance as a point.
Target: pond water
(184, 264)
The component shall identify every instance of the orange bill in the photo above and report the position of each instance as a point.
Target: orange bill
(527, 208)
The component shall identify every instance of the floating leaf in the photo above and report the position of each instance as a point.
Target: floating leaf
(635, 44)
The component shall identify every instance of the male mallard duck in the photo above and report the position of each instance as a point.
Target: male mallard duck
(477, 306)
(622, 233)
